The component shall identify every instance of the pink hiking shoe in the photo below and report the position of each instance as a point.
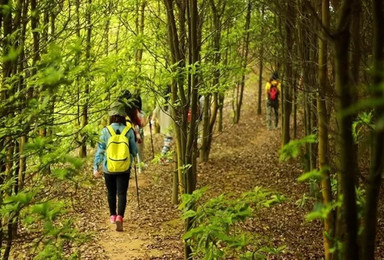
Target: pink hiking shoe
(113, 219)
(119, 223)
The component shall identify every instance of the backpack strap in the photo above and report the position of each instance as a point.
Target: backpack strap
(110, 130)
(125, 130)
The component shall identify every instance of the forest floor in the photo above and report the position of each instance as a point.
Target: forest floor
(243, 156)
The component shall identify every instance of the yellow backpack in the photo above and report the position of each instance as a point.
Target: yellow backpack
(118, 157)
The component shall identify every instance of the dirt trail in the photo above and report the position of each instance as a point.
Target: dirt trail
(243, 156)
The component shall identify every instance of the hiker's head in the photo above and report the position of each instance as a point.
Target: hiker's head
(117, 113)
(275, 76)
(126, 94)
(131, 102)
(117, 119)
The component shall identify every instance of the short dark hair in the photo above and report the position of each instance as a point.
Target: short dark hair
(117, 119)
(275, 75)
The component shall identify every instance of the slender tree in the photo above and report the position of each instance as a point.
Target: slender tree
(288, 69)
(209, 119)
(261, 63)
(345, 138)
(323, 130)
(240, 88)
(377, 160)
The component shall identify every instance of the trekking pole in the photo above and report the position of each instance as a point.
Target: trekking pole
(150, 130)
(137, 188)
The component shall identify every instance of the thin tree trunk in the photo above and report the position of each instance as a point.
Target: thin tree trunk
(194, 49)
(190, 159)
(261, 57)
(312, 80)
(39, 49)
(209, 122)
(140, 31)
(222, 95)
(303, 50)
(345, 140)
(323, 132)
(377, 161)
(7, 71)
(84, 114)
(204, 149)
(355, 68)
(245, 62)
(221, 107)
(10, 25)
(288, 82)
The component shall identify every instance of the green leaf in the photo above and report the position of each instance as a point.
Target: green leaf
(76, 162)
(12, 54)
(189, 214)
(21, 197)
(314, 174)
(292, 149)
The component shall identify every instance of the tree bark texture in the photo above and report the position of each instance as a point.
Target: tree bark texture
(288, 82)
(239, 102)
(345, 138)
(326, 190)
(377, 160)
(84, 114)
(261, 58)
(210, 120)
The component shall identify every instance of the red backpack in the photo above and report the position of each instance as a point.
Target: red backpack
(273, 92)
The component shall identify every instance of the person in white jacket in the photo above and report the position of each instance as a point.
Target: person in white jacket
(165, 121)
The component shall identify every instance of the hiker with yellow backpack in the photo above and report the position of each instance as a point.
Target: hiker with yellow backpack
(115, 153)
(273, 90)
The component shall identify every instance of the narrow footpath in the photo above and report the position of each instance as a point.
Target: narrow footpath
(243, 156)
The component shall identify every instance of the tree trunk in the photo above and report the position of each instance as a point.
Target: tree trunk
(190, 158)
(261, 57)
(222, 95)
(377, 161)
(355, 68)
(288, 82)
(7, 142)
(140, 30)
(209, 122)
(323, 131)
(312, 81)
(244, 63)
(84, 114)
(304, 51)
(345, 139)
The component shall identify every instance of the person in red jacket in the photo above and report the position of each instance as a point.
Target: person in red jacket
(273, 92)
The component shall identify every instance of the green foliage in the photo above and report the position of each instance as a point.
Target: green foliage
(303, 201)
(159, 157)
(321, 211)
(314, 174)
(12, 54)
(292, 149)
(52, 91)
(363, 122)
(216, 232)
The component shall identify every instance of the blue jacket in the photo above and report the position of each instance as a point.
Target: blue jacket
(102, 145)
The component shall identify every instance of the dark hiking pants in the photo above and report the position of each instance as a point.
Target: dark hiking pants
(270, 110)
(117, 186)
